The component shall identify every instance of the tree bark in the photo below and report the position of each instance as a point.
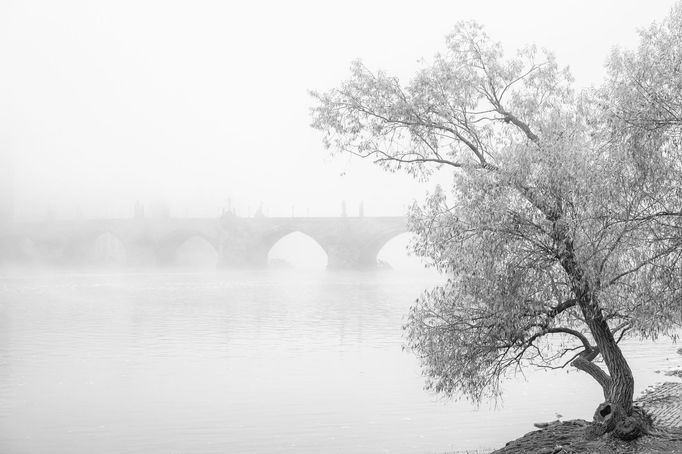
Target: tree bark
(622, 382)
(586, 365)
(618, 385)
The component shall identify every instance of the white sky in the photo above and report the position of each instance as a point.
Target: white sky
(103, 103)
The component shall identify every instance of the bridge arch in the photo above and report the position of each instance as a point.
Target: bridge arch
(296, 249)
(395, 253)
(96, 247)
(187, 248)
(26, 249)
(349, 242)
(358, 249)
(19, 248)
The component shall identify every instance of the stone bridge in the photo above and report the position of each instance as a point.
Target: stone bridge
(350, 242)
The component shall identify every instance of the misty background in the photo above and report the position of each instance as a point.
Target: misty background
(189, 109)
(191, 106)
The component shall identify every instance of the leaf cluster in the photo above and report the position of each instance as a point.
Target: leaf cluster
(540, 173)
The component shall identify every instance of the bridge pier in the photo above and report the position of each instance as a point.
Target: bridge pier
(232, 260)
(242, 250)
(346, 255)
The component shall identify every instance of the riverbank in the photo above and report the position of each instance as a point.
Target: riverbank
(663, 403)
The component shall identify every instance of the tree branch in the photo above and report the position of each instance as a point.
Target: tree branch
(594, 371)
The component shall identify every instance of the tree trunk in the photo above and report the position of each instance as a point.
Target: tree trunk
(622, 383)
(622, 386)
(611, 418)
(616, 414)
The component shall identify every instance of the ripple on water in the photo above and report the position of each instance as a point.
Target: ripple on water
(256, 361)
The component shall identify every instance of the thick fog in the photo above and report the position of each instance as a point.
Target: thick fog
(195, 106)
(176, 273)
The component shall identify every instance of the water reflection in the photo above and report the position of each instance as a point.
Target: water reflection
(260, 361)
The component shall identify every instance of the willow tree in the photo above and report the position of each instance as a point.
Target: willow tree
(560, 234)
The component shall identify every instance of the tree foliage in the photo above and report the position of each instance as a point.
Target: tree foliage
(561, 232)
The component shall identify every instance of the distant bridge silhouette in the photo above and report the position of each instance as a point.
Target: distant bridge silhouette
(349, 242)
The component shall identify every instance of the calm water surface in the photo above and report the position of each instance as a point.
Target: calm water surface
(246, 362)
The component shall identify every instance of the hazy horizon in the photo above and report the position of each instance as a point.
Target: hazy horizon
(198, 105)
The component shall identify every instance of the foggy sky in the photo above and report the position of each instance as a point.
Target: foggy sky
(190, 103)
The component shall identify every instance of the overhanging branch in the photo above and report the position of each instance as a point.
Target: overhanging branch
(594, 371)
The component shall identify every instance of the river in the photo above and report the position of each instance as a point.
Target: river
(272, 361)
